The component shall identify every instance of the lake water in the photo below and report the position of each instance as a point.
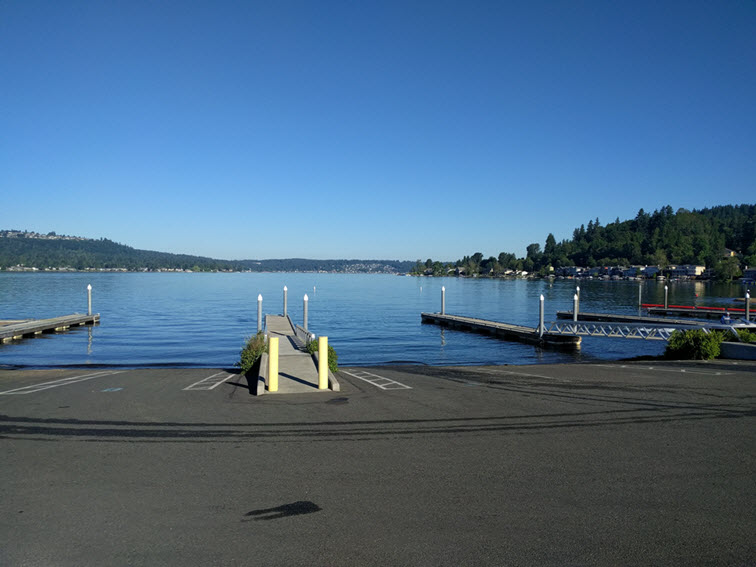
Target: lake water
(199, 319)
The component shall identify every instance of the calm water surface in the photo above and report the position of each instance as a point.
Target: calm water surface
(201, 319)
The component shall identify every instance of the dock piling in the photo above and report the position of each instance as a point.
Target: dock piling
(304, 321)
(259, 313)
(285, 299)
(89, 299)
(443, 300)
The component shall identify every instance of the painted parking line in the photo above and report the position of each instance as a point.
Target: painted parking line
(210, 382)
(662, 369)
(58, 383)
(378, 381)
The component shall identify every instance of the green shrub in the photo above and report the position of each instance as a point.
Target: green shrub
(694, 344)
(744, 336)
(252, 350)
(333, 364)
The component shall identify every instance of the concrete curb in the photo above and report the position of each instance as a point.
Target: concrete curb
(262, 375)
(738, 351)
(333, 383)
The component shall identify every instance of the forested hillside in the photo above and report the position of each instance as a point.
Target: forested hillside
(97, 254)
(660, 238)
(81, 254)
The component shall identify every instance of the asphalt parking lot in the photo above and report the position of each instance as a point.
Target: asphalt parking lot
(582, 464)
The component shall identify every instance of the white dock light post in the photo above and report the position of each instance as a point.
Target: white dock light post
(540, 319)
(286, 291)
(443, 300)
(577, 292)
(304, 322)
(748, 305)
(575, 308)
(89, 299)
(666, 297)
(259, 313)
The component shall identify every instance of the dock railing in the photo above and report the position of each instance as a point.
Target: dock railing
(303, 335)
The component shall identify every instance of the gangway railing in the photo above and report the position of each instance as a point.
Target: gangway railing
(611, 330)
(626, 330)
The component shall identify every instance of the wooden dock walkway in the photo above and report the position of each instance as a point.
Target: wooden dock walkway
(502, 330)
(297, 369)
(703, 312)
(14, 330)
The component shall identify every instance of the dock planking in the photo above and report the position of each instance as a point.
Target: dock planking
(20, 329)
(702, 312)
(502, 330)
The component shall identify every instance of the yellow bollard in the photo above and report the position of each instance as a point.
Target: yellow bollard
(322, 363)
(273, 364)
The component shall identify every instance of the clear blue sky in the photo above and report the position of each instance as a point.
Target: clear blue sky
(369, 129)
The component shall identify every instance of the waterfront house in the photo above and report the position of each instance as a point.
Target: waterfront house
(651, 271)
(686, 271)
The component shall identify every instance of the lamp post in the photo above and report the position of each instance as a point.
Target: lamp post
(259, 313)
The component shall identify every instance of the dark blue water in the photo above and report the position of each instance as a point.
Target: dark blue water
(202, 319)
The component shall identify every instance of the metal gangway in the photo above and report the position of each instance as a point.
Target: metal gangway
(644, 331)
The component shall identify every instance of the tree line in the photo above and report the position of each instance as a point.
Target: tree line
(660, 238)
(104, 254)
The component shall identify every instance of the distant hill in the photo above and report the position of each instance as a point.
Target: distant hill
(27, 250)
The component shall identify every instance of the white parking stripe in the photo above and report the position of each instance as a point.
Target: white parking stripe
(374, 379)
(210, 382)
(662, 369)
(57, 383)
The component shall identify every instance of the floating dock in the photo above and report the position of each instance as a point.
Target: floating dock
(15, 330)
(502, 330)
(691, 310)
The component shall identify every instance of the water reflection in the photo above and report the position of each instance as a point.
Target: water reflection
(370, 319)
(89, 340)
